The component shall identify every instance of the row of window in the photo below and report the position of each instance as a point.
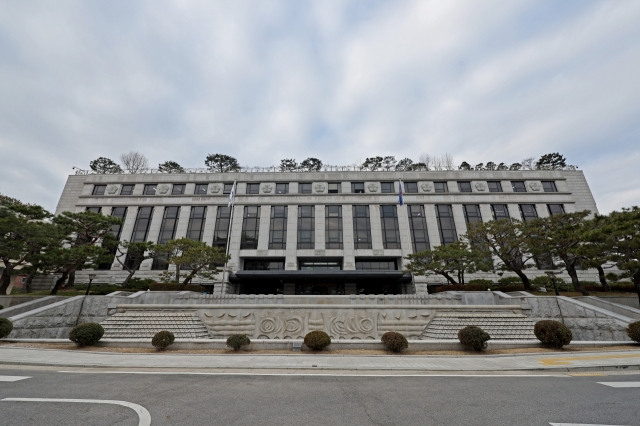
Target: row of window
(306, 225)
(333, 188)
(326, 264)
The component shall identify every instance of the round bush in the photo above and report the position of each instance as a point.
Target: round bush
(236, 341)
(5, 327)
(86, 334)
(317, 340)
(633, 331)
(1, 307)
(474, 336)
(395, 342)
(552, 333)
(162, 340)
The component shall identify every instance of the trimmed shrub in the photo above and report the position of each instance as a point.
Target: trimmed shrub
(236, 341)
(486, 284)
(545, 281)
(317, 340)
(395, 342)
(509, 281)
(461, 287)
(140, 284)
(1, 307)
(5, 327)
(86, 334)
(552, 333)
(175, 287)
(474, 336)
(162, 339)
(633, 331)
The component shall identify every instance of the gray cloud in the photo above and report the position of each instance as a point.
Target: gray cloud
(485, 81)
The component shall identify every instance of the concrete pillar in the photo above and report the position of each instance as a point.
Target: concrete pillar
(209, 225)
(376, 227)
(154, 231)
(432, 225)
(125, 234)
(485, 211)
(319, 227)
(542, 210)
(263, 230)
(405, 231)
(107, 211)
(349, 260)
(236, 233)
(459, 220)
(183, 222)
(514, 211)
(291, 262)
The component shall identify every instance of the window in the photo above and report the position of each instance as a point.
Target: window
(357, 187)
(282, 188)
(150, 189)
(167, 233)
(304, 188)
(323, 265)
(250, 227)
(464, 186)
(376, 265)
(387, 188)
(94, 209)
(446, 225)
(253, 188)
(201, 188)
(549, 186)
(418, 227)
(120, 213)
(141, 226)
(472, 213)
(555, 209)
(411, 187)
(333, 227)
(127, 189)
(276, 264)
(518, 186)
(196, 223)
(99, 189)
(227, 188)
(306, 227)
(528, 212)
(335, 187)
(221, 231)
(494, 186)
(440, 187)
(169, 224)
(178, 189)
(361, 227)
(500, 211)
(390, 229)
(278, 228)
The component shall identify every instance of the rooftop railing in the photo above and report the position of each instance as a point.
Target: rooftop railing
(276, 169)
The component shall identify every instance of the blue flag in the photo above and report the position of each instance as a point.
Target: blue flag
(400, 192)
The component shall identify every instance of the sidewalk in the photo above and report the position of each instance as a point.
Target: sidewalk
(608, 360)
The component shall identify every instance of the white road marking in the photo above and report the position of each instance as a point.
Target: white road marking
(621, 384)
(13, 378)
(143, 414)
(577, 424)
(308, 374)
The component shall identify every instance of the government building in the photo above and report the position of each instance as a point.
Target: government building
(317, 233)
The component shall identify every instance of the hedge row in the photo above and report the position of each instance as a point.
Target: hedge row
(176, 287)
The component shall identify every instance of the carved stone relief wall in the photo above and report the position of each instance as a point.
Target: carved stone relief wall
(349, 324)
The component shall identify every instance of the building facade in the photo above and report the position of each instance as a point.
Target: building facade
(317, 232)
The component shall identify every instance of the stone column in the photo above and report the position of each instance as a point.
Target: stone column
(405, 232)
(514, 211)
(542, 210)
(432, 225)
(349, 261)
(154, 232)
(458, 218)
(125, 234)
(376, 227)
(291, 262)
(209, 225)
(263, 230)
(485, 211)
(319, 227)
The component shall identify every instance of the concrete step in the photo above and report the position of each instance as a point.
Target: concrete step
(145, 324)
(499, 325)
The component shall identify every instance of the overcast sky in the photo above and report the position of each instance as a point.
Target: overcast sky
(338, 80)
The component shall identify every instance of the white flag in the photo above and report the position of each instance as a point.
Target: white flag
(232, 194)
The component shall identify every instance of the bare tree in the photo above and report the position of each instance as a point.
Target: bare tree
(437, 163)
(447, 161)
(527, 163)
(135, 162)
(427, 160)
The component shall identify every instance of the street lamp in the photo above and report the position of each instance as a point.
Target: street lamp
(553, 280)
(91, 277)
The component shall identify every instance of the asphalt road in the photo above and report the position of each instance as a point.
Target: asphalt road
(191, 399)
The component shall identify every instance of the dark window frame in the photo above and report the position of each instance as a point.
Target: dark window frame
(387, 188)
(472, 213)
(361, 227)
(440, 187)
(446, 224)
(518, 186)
(494, 186)
(129, 189)
(390, 227)
(305, 188)
(197, 222)
(278, 218)
(336, 185)
(410, 187)
(418, 228)
(250, 228)
(222, 227)
(333, 228)
(549, 186)
(526, 212)
(253, 188)
(306, 232)
(99, 190)
(357, 187)
(150, 189)
(497, 215)
(551, 210)
(226, 188)
(201, 189)
(141, 225)
(282, 188)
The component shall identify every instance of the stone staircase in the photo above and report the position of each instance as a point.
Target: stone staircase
(500, 326)
(144, 324)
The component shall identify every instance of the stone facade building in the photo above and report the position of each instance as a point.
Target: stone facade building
(325, 232)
